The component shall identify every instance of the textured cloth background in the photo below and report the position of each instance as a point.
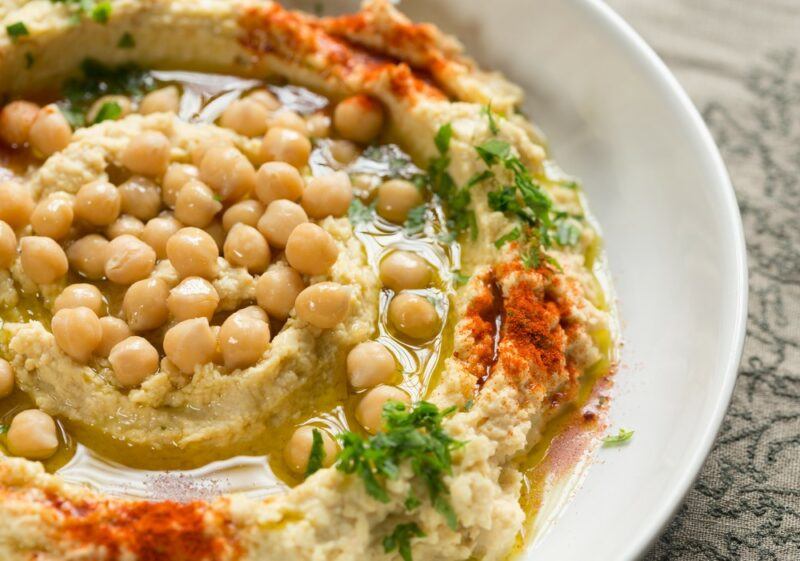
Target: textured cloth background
(740, 62)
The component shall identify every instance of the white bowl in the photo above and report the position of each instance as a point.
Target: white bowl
(617, 118)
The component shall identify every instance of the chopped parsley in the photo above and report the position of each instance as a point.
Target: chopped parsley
(567, 232)
(126, 41)
(359, 213)
(17, 30)
(317, 455)
(109, 111)
(487, 110)
(621, 437)
(509, 237)
(400, 539)
(4, 429)
(459, 278)
(101, 12)
(415, 222)
(468, 405)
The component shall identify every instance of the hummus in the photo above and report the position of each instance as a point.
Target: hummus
(442, 272)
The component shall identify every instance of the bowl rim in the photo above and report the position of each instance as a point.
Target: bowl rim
(669, 87)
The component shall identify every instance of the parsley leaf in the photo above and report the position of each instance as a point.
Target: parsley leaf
(400, 539)
(621, 437)
(126, 41)
(359, 213)
(415, 222)
(487, 110)
(443, 137)
(4, 429)
(493, 151)
(480, 176)
(17, 30)
(459, 279)
(567, 233)
(101, 12)
(317, 454)
(109, 111)
(509, 237)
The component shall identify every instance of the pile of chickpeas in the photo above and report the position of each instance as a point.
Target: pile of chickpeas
(261, 220)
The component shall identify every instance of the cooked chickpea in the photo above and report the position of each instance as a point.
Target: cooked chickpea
(176, 176)
(16, 119)
(277, 290)
(328, 195)
(193, 298)
(344, 151)
(88, 256)
(32, 435)
(324, 305)
(98, 203)
(403, 270)
(370, 364)
(369, 411)
(162, 100)
(157, 231)
(287, 119)
(280, 220)
(129, 259)
(265, 98)
(147, 153)
(140, 197)
(77, 332)
(395, 198)
(286, 145)
(125, 225)
(16, 204)
(246, 116)
(114, 331)
(311, 250)
(42, 259)
(133, 360)
(50, 131)
(6, 378)
(254, 312)
(53, 216)
(81, 294)
(202, 147)
(359, 118)
(298, 449)
(145, 304)
(122, 101)
(189, 344)
(278, 180)
(246, 247)
(318, 125)
(196, 204)
(414, 316)
(193, 253)
(245, 212)
(228, 172)
(8, 246)
(243, 340)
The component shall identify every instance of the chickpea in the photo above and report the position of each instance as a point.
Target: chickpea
(286, 145)
(395, 198)
(114, 331)
(193, 253)
(323, 305)
(403, 270)
(318, 125)
(125, 225)
(287, 119)
(50, 131)
(77, 332)
(278, 180)
(42, 259)
(53, 216)
(129, 260)
(344, 151)
(98, 203)
(298, 449)
(246, 116)
(16, 204)
(311, 250)
(145, 304)
(328, 195)
(369, 411)
(277, 290)
(228, 172)
(8, 246)
(246, 247)
(176, 176)
(80, 295)
(6, 378)
(243, 340)
(193, 298)
(157, 231)
(124, 104)
(140, 197)
(414, 316)
(370, 364)
(254, 312)
(147, 153)
(204, 145)
(88, 256)
(133, 360)
(189, 344)
(196, 204)
(265, 98)
(280, 220)
(358, 118)
(245, 212)
(32, 435)
(162, 100)
(16, 119)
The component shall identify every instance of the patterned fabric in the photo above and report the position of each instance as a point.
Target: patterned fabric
(740, 62)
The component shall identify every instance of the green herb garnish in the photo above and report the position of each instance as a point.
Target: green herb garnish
(487, 110)
(109, 111)
(17, 30)
(101, 12)
(567, 233)
(4, 429)
(511, 236)
(415, 222)
(359, 213)
(126, 41)
(459, 278)
(621, 437)
(400, 539)
(317, 455)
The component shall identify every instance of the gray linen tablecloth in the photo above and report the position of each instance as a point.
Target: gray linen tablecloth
(739, 60)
